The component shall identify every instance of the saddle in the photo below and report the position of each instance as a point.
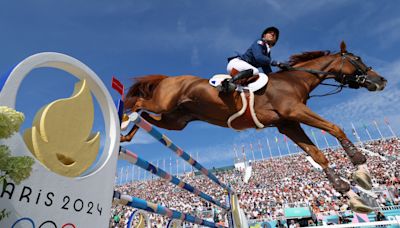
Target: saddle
(246, 116)
(252, 83)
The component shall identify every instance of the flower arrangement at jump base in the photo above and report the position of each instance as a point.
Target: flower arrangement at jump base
(17, 168)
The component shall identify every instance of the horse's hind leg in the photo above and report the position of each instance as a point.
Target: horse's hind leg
(128, 137)
(163, 101)
(293, 130)
(303, 114)
(175, 120)
(167, 121)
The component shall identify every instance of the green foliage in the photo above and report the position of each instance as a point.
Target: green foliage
(15, 168)
(10, 121)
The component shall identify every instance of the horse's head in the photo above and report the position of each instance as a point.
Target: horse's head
(350, 70)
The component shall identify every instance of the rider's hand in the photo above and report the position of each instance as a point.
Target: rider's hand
(274, 63)
(282, 65)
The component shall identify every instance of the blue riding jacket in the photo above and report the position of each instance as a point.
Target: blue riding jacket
(258, 55)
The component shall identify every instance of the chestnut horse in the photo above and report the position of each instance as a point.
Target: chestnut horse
(281, 103)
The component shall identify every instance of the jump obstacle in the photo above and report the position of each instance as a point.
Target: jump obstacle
(52, 196)
(136, 160)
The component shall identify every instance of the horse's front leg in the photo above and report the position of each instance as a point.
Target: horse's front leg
(303, 114)
(294, 131)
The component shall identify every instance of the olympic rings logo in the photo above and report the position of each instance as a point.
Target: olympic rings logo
(45, 224)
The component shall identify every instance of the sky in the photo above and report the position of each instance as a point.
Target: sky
(133, 38)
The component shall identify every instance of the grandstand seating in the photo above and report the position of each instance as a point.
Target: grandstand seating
(279, 183)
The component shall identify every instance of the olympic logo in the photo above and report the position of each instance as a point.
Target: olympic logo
(45, 224)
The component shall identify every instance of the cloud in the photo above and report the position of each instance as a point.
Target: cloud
(274, 4)
(293, 10)
(370, 105)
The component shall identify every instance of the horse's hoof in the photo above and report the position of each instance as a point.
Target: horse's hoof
(156, 117)
(358, 205)
(125, 118)
(362, 179)
(124, 125)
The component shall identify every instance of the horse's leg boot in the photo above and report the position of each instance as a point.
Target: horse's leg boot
(361, 176)
(338, 184)
(356, 157)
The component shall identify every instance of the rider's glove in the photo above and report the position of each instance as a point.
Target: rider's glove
(282, 65)
(274, 63)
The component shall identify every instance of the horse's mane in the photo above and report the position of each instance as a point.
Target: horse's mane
(143, 86)
(306, 56)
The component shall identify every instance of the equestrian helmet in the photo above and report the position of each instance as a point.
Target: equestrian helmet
(274, 29)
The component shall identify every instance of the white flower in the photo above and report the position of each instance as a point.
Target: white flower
(10, 121)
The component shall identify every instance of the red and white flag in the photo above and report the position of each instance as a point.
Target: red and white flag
(118, 86)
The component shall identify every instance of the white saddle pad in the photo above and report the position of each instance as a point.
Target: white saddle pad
(254, 86)
(217, 79)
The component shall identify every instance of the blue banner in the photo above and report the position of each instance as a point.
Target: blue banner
(291, 213)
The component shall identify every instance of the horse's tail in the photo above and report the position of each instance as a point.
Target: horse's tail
(143, 87)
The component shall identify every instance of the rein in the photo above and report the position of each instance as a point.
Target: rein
(338, 88)
(358, 77)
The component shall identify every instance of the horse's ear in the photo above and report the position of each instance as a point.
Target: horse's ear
(343, 47)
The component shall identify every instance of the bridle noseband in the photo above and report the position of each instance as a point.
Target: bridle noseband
(357, 78)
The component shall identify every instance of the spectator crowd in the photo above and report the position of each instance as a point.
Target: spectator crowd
(274, 184)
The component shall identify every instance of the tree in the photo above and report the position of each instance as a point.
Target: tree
(16, 168)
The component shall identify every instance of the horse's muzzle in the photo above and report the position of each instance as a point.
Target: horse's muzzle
(375, 83)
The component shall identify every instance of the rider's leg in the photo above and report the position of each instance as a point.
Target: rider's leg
(240, 65)
(242, 74)
(228, 85)
(244, 70)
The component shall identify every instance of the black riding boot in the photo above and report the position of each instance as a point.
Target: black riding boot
(242, 74)
(228, 85)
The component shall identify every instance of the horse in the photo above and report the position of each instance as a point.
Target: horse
(172, 102)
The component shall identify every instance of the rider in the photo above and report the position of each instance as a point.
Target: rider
(258, 55)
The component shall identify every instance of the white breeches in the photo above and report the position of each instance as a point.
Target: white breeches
(240, 65)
